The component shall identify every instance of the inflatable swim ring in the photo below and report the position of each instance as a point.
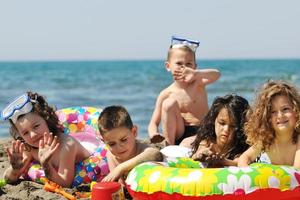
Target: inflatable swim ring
(181, 178)
(81, 123)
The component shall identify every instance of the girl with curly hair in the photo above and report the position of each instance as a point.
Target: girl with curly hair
(38, 136)
(220, 139)
(273, 129)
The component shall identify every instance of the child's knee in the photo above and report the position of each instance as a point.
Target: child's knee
(169, 104)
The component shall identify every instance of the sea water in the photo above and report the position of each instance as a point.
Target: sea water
(133, 84)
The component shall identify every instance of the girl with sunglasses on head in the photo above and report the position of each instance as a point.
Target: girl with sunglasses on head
(38, 136)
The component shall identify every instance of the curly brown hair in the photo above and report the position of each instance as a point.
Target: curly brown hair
(41, 108)
(258, 128)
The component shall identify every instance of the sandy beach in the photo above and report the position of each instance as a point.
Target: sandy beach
(23, 189)
(28, 189)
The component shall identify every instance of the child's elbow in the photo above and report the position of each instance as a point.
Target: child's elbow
(156, 155)
(10, 179)
(242, 162)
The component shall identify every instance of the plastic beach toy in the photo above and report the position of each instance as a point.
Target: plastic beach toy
(53, 187)
(184, 179)
(81, 123)
(107, 191)
(2, 183)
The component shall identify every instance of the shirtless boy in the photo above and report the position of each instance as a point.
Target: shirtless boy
(181, 106)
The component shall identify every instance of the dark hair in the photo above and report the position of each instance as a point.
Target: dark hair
(41, 108)
(114, 117)
(237, 107)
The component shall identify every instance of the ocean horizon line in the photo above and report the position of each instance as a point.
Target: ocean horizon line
(138, 60)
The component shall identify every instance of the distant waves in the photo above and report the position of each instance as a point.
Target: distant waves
(133, 84)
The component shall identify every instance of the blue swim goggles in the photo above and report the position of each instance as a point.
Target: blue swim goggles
(20, 106)
(178, 42)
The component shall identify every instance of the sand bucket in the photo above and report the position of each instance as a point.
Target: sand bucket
(107, 191)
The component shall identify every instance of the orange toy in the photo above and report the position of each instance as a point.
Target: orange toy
(54, 187)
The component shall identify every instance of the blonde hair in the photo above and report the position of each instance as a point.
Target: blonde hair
(258, 128)
(182, 48)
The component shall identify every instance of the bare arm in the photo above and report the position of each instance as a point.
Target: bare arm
(229, 162)
(249, 156)
(63, 174)
(156, 116)
(297, 155)
(19, 161)
(207, 76)
(203, 76)
(149, 154)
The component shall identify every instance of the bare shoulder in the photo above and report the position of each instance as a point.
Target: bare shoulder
(69, 147)
(68, 141)
(187, 142)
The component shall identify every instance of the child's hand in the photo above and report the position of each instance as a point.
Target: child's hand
(203, 154)
(15, 155)
(215, 158)
(184, 74)
(114, 175)
(47, 147)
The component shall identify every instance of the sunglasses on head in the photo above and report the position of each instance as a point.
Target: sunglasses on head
(178, 42)
(20, 106)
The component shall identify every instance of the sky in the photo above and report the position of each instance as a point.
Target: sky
(137, 29)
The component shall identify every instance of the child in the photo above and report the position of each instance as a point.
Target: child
(181, 106)
(119, 134)
(273, 128)
(38, 136)
(220, 138)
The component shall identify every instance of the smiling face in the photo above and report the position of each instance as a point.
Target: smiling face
(283, 117)
(224, 128)
(180, 58)
(31, 128)
(121, 142)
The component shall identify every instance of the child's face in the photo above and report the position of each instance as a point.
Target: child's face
(180, 58)
(283, 117)
(31, 128)
(224, 128)
(121, 142)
